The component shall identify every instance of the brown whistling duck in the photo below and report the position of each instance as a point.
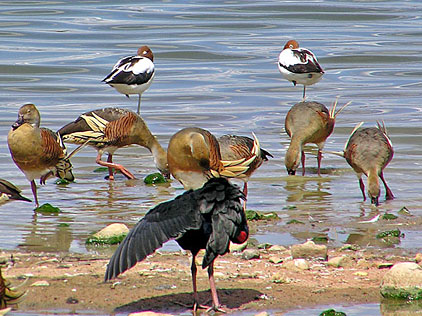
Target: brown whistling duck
(308, 122)
(133, 74)
(109, 129)
(8, 295)
(368, 151)
(38, 152)
(299, 65)
(233, 147)
(9, 191)
(194, 156)
(207, 218)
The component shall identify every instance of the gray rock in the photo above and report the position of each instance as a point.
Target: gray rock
(403, 281)
(296, 265)
(309, 250)
(249, 254)
(340, 262)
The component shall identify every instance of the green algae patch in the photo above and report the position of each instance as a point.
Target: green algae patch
(389, 216)
(93, 240)
(109, 235)
(47, 208)
(295, 221)
(320, 239)
(257, 216)
(154, 178)
(101, 169)
(62, 182)
(411, 293)
(332, 312)
(390, 233)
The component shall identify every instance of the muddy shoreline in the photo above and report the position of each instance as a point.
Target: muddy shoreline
(162, 282)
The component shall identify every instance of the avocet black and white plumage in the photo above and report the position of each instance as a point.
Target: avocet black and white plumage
(299, 65)
(133, 74)
(207, 218)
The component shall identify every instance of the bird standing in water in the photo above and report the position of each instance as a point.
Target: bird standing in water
(299, 65)
(308, 122)
(109, 129)
(368, 151)
(38, 152)
(133, 74)
(207, 218)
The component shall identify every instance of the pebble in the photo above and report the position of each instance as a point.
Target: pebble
(148, 313)
(296, 265)
(340, 262)
(249, 254)
(40, 283)
(403, 280)
(111, 230)
(262, 314)
(238, 247)
(275, 259)
(309, 250)
(277, 248)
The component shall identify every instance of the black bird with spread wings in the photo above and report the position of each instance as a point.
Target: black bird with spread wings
(207, 218)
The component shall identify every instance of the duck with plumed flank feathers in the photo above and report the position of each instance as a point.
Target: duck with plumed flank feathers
(8, 191)
(299, 65)
(133, 74)
(207, 218)
(194, 156)
(233, 147)
(109, 129)
(368, 151)
(38, 152)
(308, 122)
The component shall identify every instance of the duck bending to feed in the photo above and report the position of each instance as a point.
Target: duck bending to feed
(109, 129)
(194, 156)
(368, 151)
(38, 152)
(308, 122)
(299, 65)
(8, 191)
(207, 218)
(133, 74)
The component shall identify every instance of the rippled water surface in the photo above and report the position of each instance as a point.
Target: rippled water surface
(216, 66)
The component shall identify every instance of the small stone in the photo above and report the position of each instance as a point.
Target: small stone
(238, 247)
(275, 259)
(340, 262)
(40, 283)
(277, 248)
(280, 278)
(403, 281)
(148, 313)
(262, 314)
(249, 254)
(111, 234)
(361, 274)
(309, 250)
(72, 300)
(296, 265)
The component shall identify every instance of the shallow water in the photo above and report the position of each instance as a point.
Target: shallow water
(216, 69)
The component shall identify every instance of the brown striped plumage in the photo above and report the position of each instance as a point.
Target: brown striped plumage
(109, 129)
(8, 295)
(38, 152)
(233, 147)
(194, 156)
